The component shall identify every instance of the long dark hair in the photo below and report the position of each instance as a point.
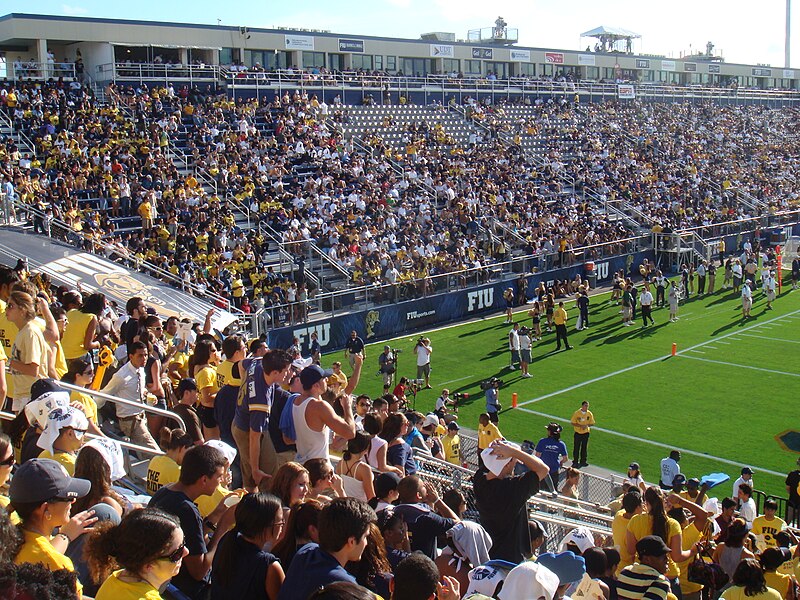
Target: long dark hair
(392, 427)
(91, 465)
(360, 443)
(254, 514)
(74, 368)
(301, 519)
(373, 563)
(655, 502)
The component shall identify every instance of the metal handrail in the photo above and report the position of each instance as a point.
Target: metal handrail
(42, 70)
(7, 416)
(123, 401)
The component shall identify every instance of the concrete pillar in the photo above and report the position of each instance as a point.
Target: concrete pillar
(183, 56)
(41, 57)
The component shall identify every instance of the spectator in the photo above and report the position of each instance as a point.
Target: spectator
(291, 484)
(398, 452)
(343, 529)
(324, 482)
(42, 493)
(669, 469)
(165, 468)
(487, 433)
(746, 477)
(747, 506)
(129, 383)
(373, 570)
(6, 464)
(28, 359)
(93, 467)
(147, 546)
(252, 416)
(300, 529)
(771, 559)
(424, 513)
(353, 469)
(80, 373)
(767, 526)
(725, 519)
(452, 444)
(202, 469)
(646, 578)
(241, 568)
(749, 582)
(417, 578)
(529, 580)
(314, 418)
(631, 506)
(385, 491)
(63, 436)
(185, 409)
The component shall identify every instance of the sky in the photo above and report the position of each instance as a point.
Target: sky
(742, 31)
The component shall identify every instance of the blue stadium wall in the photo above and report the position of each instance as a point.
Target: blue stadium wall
(386, 322)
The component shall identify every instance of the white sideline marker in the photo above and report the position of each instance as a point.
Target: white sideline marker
(730, 364)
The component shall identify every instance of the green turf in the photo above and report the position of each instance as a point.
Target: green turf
(719, 410)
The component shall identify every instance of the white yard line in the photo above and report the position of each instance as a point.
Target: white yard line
(735, 463)
(730, 364)
(764, 337)
(695, 351)
(650, 362)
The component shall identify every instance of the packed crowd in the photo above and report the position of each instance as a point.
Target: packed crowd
(284, 482)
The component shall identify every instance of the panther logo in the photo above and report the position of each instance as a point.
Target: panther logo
(122, 284)
(372, 319)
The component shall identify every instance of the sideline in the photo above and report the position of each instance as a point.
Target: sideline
(654, 360)
(772, 339)
(634, 438)
(730, 364)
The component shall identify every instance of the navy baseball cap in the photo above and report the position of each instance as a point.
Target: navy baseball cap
(311, 375)
(42, 479)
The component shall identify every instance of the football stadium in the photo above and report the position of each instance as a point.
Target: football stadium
(293, 313)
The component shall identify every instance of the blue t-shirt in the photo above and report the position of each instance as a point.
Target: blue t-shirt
(401, 455)
(491, 400)
(552, 450)
(311, 569)
(252, 412)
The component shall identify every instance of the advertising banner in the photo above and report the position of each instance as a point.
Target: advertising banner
(586, 59)
(393, 320)
(299, 42)
(346, 45)
(441, 51)
(626, 91)
(556, 58)
(521, 55)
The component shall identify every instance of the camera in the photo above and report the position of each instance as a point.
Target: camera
(460, 396)
(491, 383)
(396, 351)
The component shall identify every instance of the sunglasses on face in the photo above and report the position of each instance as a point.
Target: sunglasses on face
(9, 462)
(176, 555)
(60, 500)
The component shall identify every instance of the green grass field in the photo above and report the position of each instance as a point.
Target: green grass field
(726, 395)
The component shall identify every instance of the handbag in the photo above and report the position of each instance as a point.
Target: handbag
(707, 574)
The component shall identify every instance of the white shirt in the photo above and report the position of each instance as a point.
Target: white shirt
(646, 298)
(423, 355)
(669, 468)
(739, 482)
(513, 339)
(748, 512)
(127, 383)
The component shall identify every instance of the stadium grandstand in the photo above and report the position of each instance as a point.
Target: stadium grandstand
(197, 220)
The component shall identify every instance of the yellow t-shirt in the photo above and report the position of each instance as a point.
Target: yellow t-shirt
(36, 548)
(487, 434)
(65, 459)
(161, 471)
(584, 420)
(642, 525)
(766, 530)
(778, 582)
(737, 593)
(207, 378)
(207, 504)
(88, 404)
(225, 374)
(452, 449)
(75, 333)
(114, 588)
(61, 361)
(690, 537)
(29, 347)
(619, 532)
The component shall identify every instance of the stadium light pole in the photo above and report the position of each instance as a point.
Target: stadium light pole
(787, 52)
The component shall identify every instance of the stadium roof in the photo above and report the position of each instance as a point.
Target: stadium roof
(610, 32)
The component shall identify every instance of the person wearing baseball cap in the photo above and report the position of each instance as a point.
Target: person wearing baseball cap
(313, 417)
(746, 477)
(42, 494)
(451, 443)
(646, 578)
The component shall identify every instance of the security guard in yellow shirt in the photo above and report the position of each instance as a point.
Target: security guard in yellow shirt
(582, 421)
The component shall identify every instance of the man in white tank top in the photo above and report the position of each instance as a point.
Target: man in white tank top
(314, 418)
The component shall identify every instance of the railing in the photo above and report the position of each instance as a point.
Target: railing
(477, 84)
(151, 71)
(41, 70)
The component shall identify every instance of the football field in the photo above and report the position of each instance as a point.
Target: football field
(727, 399)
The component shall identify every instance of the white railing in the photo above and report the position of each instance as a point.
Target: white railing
(41, 70)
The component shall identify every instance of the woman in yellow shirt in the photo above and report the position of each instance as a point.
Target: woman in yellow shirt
(6, 464)
(146, 567)
(81, 373)
(203, 367)
(749, 583)
(165, 469)
(79, 335)
(656, 522)
(42, 495)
